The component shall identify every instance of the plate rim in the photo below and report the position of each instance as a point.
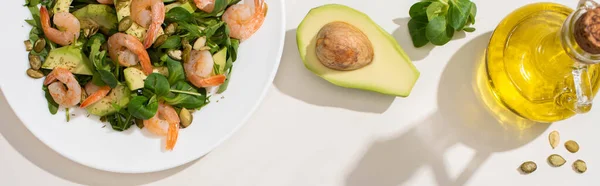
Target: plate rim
(243, 122)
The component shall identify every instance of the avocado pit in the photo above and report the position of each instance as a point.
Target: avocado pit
(342, 46)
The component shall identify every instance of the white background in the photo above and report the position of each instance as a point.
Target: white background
(309, 132)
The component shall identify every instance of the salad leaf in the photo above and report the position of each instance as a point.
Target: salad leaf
(121, 120)
(436, 21)
(459, 13)
(157, 84)
(437, 31)
(52, 105)
(108, 78)
(186, 96)
(171, 42)
(220, 5)
(176, 72)
(143, 108)
(178, 14)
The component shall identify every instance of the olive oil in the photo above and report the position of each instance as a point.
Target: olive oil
(529, 70)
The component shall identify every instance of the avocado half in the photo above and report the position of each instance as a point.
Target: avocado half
(390, 72)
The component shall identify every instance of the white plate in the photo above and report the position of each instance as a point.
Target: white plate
(84, 140)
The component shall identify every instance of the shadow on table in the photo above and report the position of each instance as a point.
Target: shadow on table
(466, 115)
(22, 140)
(295, 80)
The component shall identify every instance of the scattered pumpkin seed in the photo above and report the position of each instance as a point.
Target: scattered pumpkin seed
(40, 44)
(572, 146)
(580, 166)
(161, 40)
(90, 31)
(556, 160)
(171, 29)
(83, 95)
(175, 54)
(35, 61)
(554, 139)
(28, 45)
(187, 49)
(139, 123)
(528, 167)
(35, 74)
(185, 117)
(125, 24)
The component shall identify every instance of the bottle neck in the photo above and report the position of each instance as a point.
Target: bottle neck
(569, 37)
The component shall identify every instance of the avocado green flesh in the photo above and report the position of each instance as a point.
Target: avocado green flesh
(119, 96)
(62, 6)
(134, 78)
(391, 71)
(97, 14)
(69, 57)
(220, 59)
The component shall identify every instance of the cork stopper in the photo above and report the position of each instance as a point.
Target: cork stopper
(587, 31)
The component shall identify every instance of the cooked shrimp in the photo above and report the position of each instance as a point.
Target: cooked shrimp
(68, 27)
(106, 2)
(128, 50)
(67, 97)
(167, 114)
(95, 93)
(199, 68)
(205, 5)
(243, 21)
(150, 14)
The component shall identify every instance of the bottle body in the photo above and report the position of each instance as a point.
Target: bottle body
(530, 71)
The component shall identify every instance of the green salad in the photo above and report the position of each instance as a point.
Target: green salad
(143, 62)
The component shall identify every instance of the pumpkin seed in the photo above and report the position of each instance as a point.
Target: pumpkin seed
(35, 61)
(139, 123)
(28, 45)
(83, 95)
(185, 117)
(572, 146)
(528, 167)
(580, 166)
(161, 40)
(40, 44)
(35, 74)
(554, 139)
(125, 24)
(171, 29)
(556, 160)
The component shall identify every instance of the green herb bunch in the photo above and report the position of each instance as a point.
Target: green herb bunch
(436, 21)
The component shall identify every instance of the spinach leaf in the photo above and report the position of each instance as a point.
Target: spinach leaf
(186, 96)
(416, 28)
(469, 29)
(178, 14)
(220, 5)
(436, 31)
(190, 31)
(228, 68)
(157, 84)
(233, 49)
(173, 41)
(418, 10)
(52, 105)
(142, 108)
(472, 14)
(108, 78)
(436, 9)
(176, 72)
(459, 13)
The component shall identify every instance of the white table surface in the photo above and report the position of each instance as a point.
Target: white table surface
(309, 132)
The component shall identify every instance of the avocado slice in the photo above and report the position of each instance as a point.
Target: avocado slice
(69, 57)
(134, 78)
(390, 71)
(220, 59)
(123, 8)
(62, 6)
(118, 95)
(103, 16)
(189, 6)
